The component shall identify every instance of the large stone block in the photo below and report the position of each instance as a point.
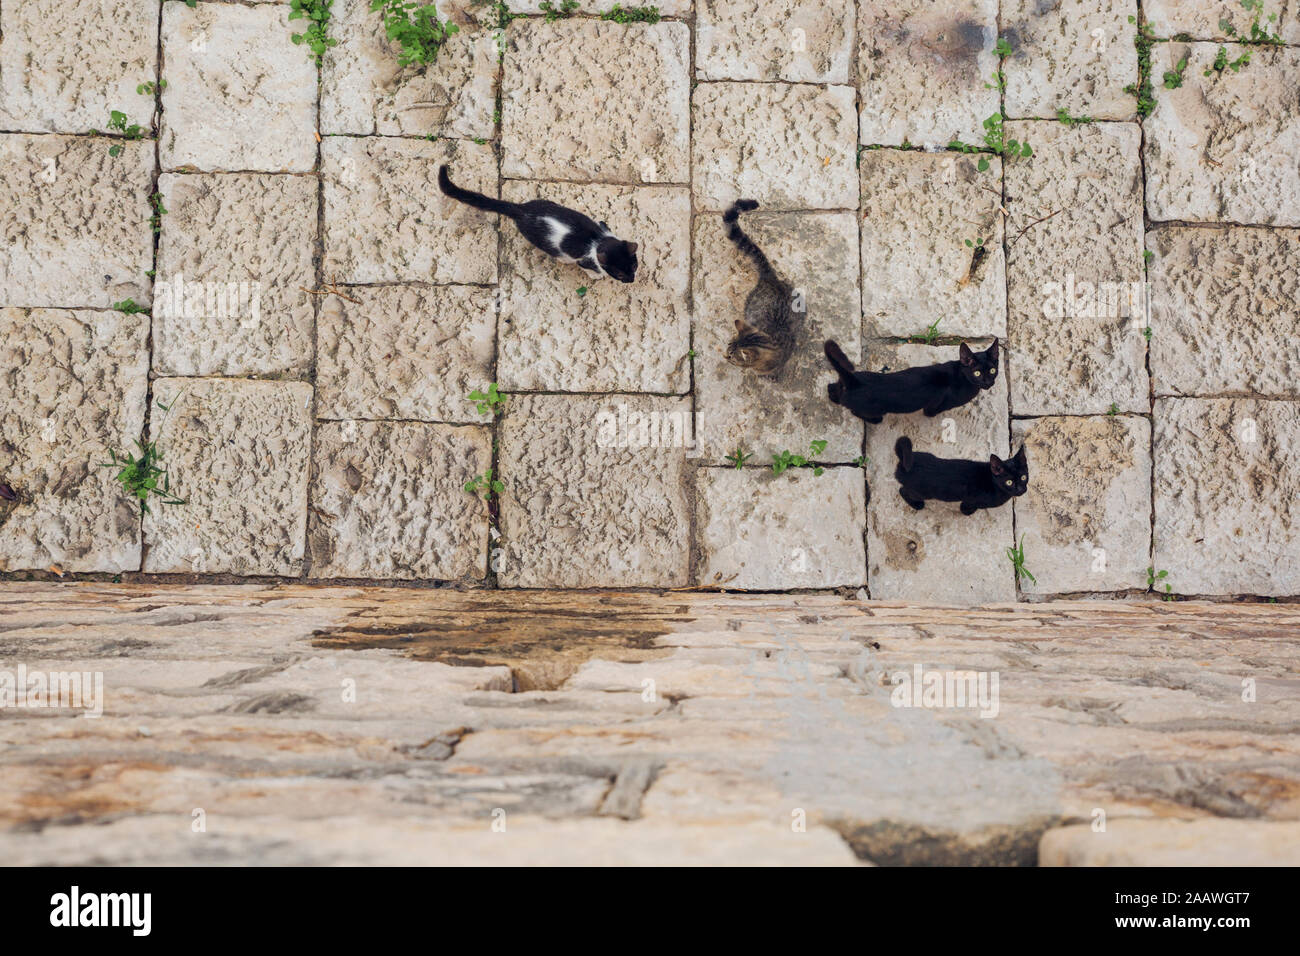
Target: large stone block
(1074, 262)
(1086, 519)
(1227, 486)
(1221, 148)
(762, 416)
(235, 254)
(388, 501)
(595, 492)
(387, 221)
(615, 336)
(800, 41)
(1208, 842)
(762, 531)
(787, 146)
(72, 388)
(1203, 19)
(65, 65)
(918, 212)
(75, 221)
(237, 452)
(1076, 55)
(1225, 307)
(936, 554)
(409, 352)
(239, 95)
(586, 122)
(925, 70)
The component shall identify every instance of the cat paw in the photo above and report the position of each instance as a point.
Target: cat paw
(875, 421)
(916, 505)
(967, 509)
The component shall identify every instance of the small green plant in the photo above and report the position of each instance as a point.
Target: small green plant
(1113, 410)
(155, 220)
(1002, 48)
(1017, 556)
(1153, 576)
(129, 307)
(738, 458)
(631, 14)
(1146, 332)
(786, 460)
(1258, 34)
(976, 244)
(415, 28)
(149, 87)
(1174, 77)
(1142, 90)
(1221, 62)
(582, 291)
(1063, 116)
(140, 476)
(996, 142)
(1147, 256)
(484, 485)
(117, 124)
(489, 402)
(317, 13)
(930, 334)
(554, 13)
(862, 461)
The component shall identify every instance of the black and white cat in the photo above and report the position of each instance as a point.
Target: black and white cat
(564, 233)
(929, 388)
(976, 484)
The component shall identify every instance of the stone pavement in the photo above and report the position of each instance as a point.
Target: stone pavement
(330, 436)
(293, 724)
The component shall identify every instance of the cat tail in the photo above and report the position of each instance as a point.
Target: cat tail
(838, 359)
(903, 449)
(470, 198)
(743, 242)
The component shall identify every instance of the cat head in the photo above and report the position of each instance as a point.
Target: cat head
(618, 258)
(753, 350)
(980, 368)
(1012, 475)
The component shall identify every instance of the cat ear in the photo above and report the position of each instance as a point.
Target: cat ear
(743, 327)
(631, 247)
(966, 355)
(996, 466)
(1020, 455)
(992, 350)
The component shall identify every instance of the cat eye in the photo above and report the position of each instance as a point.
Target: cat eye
(977, 374)
(1008, 481)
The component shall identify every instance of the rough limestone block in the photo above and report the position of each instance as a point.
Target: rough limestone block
(65, 65)
(1222, 148)
(918, 211)
(1200, 19)
(364, 91)
(239, 95)
(924, 70)
(1076, 55)
(237, 451)
(584, 122)
(815, 253)
(1076, 341)
(1227, 485)
(616, 336)
(794, 530)
(595, 491)
(799, 41)
(75, 221)
(786, 146)
(936, 554)
(1225, 307)
(234, 255)
(73, 387)
(1199, 843)
(389, 501)
(410, 352)
(1086, 519)
(670, 8)
(387, 221)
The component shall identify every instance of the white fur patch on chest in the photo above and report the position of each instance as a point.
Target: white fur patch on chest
(557, 231)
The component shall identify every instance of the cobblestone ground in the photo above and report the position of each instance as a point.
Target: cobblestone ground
(272, 260)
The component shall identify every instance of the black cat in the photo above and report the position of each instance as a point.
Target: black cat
(976, 484)
(932, 388)
(564, 233)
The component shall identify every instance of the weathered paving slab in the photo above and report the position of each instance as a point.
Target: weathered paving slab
(65, 65)
(784, 741)
(388, 500)
(1202, 19)
(405, 352)
(1086, 520)
(237, 452)
(918, 212)
(239, 95)
(1227, 486)
(762, 416)
(1225, 304)
(387, 221)
(799, 41)
(936, 554)
(925, 70)
(595, 491)
(1076, 55)
(551, 126)
(75, 221)
(788, 146)
(73, 389)
(613, 336)
(1074, 265)
(763, 531)
(669, 8)
(365, 91)
(234, 256)
(1221, 148)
